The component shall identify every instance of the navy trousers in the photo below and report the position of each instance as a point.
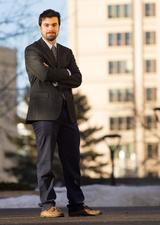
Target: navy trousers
(66, 135)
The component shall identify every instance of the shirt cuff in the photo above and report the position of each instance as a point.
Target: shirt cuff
(55, 84)
(69, 72)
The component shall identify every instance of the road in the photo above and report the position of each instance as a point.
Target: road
(111, 216)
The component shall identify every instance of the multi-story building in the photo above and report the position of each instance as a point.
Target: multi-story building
(117, 46)
(8, 65)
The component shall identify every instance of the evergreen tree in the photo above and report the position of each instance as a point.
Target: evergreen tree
(89, 163)
(25, 157)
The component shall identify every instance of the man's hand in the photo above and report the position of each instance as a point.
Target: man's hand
(45, 64)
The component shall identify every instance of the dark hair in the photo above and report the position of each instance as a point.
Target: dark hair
(49, 13)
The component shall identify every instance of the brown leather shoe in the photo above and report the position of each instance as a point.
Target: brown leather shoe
(51, 212)
(85, 211)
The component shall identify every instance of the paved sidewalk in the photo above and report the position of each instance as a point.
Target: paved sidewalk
(111, 216)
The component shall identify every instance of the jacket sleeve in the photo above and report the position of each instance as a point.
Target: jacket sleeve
(75, 78)
(35, 66)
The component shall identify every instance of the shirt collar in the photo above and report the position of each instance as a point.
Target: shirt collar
(48, 44)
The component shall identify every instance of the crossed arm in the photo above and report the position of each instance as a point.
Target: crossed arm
(36, 66)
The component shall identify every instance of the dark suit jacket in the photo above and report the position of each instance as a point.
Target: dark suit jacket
(45, 99)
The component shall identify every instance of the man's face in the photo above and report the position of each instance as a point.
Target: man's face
(50, 28)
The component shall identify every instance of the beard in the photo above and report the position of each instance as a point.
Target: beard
(51, 36)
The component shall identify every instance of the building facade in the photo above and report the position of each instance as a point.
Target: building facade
(8, 65)
(117, 46)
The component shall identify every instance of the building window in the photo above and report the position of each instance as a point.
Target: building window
(119, 11)
(127, 38)
(152, 174)
(150, 66)
(149, 9)
(119, 39)
(151, 94)
(126, 151)
(127, 10)
(119, 67)
(112, 96)
(113, 123)
(150, 122)
(129, 95)
(152, 150)
(150, 38)
(111, 39)
(121, 95)
(110, 11)
(121, 123)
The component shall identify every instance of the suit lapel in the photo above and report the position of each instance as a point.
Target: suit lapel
(47, 52)
(60, 53)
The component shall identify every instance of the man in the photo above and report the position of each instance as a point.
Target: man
(53, 73)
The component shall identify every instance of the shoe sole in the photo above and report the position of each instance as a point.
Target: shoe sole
(50, 216)
(79, 215)
(62, 215)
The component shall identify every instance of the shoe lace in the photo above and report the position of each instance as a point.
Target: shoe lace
(87, 207)
(55, 209)
(52, 209)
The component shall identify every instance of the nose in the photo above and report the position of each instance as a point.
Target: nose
(50, 28)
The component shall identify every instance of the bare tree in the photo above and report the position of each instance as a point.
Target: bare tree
(15, 23)
(16, 20)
